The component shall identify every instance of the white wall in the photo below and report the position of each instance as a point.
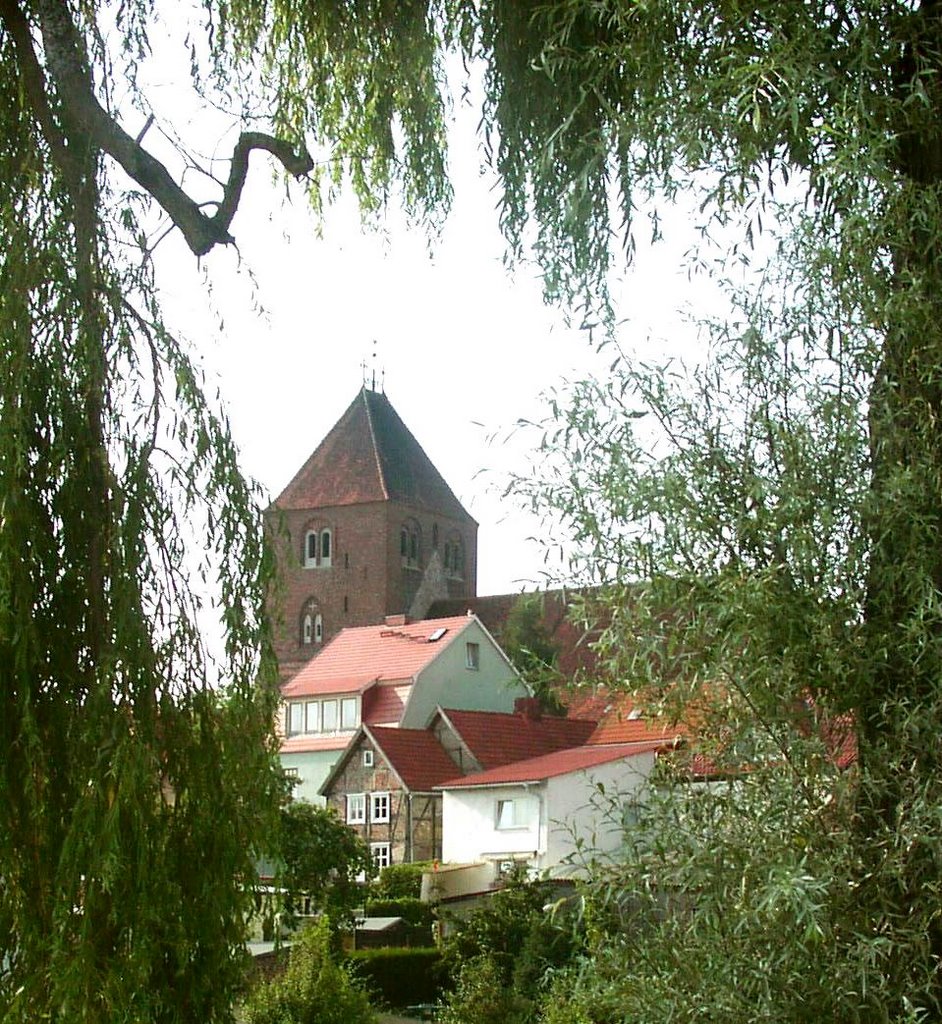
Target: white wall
(559, 810)
(469, 823)
(493, 686)
(576, 807)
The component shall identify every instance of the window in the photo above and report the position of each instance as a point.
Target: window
(509, 814)
(320, 716)
(379, 807)
(409, 544)
(356, 808)
(292, 776)
(318, 548)
(311, 624)
(381, 855)
(472, 656)
(367, 758)
(349, 718)
(454, 556)
(325, 549)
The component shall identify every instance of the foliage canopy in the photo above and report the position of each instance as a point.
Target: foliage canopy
(816, 126)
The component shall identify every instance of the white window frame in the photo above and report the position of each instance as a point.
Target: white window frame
(382, 854)
(378, 801)
(325, 541)
(312, 710)
(307, 629)
(318, 628)
(349, 722)
(324, 705)
(310, 557)
(367, 758)
(356, 808)
(295, 718)
(507, 814)
(472, 655)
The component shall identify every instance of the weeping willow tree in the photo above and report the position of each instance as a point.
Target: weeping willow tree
(133, 789)
(137, 780)
(766, 528)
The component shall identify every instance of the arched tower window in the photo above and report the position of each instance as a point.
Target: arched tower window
(454, 556)
(312, 624)
(318, 548)
(325, 552)
(310, 549)
(410, 547)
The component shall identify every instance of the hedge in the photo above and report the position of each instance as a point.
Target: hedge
(399, 977)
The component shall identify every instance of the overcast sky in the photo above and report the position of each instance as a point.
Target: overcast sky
(463, 347)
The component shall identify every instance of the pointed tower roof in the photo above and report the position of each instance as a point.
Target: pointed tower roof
(370, 455)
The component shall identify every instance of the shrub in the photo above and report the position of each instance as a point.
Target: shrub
(400, 881)
(481, 997)
(313, 990)
(399, 977)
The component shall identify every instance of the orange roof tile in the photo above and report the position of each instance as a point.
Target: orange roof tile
(383, 705)
(415, 755)
(370, 455)
(561, 762)
(357, 657)
(496, 738)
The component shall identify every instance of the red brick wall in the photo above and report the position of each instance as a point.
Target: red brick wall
(366, 579)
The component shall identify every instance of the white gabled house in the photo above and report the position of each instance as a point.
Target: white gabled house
(534, 812)
(394, 675)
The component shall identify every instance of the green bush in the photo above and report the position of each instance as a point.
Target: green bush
(399, 977)
(400, 881)
(313, 990)
(416, 915)
(481, 997)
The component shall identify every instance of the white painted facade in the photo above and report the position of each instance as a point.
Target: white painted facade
(546, 817)
(449, 680)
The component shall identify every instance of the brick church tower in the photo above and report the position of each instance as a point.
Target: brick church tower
(367, 528)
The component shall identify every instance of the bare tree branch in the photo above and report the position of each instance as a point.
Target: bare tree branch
(67, 69)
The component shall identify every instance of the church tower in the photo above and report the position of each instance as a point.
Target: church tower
(367, 528)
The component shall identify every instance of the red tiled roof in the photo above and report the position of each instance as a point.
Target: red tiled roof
(548, 766)
(383, 705)
(359, 656)
(303, 743)
(415, 755)
(496, 738)
(370, 455)
(619, 720)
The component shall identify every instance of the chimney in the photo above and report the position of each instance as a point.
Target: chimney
(529, 708)
(396, 620)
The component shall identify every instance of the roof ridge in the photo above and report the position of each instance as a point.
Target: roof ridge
(376, 455)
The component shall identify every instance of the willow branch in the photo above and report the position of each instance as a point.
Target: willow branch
(73, 84)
